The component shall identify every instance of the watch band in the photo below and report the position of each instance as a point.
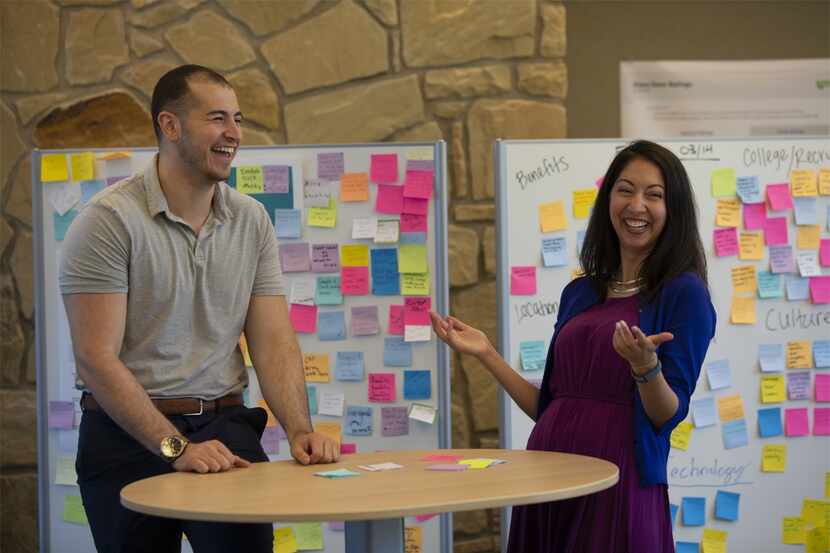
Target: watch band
(648, 376)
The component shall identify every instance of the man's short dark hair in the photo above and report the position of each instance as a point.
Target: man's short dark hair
(171, 91)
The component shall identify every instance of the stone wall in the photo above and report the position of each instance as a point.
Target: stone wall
(79, 73)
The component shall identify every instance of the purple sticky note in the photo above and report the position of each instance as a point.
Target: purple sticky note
(384, 168)
(420, 165)
(303, 317)
(271, 440)
(448, 467)
(523, 280)
(330, 166)
(354, 281)
(389, 199)
(294, 257)
(396, 313)
(822, 387)
(754, 216)
(394, 421)
(779, 196)
(820, 289)
(415, 206)
(798, 385)
(726, 241)
(381, 387)
(795, 422)
(821, 421)
(337, 526)
(781, 259)
(775, 231)
(325, 258)
(418, 184)
(61, 415)
(113, 180)
(276, 178)
(411, 222)
(365, 320)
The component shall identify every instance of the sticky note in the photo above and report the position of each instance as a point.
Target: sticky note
(728, 212)
(413, 539)
(799, 354)
(774, 458)
(771, 357)
(325, 258)
(338, 473)
(387, 232)
(309, 535)
(417, 333)
(821, 353)
(755, 215)
(793, 530)
(775, 231)
(354, 187)
(778, 196)
(394, 421)
(331, 429)
(822, 387)
(820, 289)
(414, 284)
(769, 422)
(381, 387)
(249, 179)
(798, 385)
(743, 310)
(89, 188)
(726, 505)
(73, 510)
(332, 326)
(276, 178)
(364, 320)
(750, 246)
(416, 311)
(583, 201)
(681, 435)
(355, 255)
(284, 540)
(83, 166)
(554, 251)
(422, 412)
(723, 182)
(325, 217)
(781, 259)
(693, 510)
(302, 291)
(311, 393)
(354, 281)
(703, 412)
(769, 285)
(532, 355)
(270, 440)
(303, 317)
(61, 223)
(805, 211)
(748, 189)
(287, 223)
(385, 276)
(417, 385)
(384, 168)
(808, 237)
(413, 238)
(687, 547)
(389, 199)
(415, 206)
(796, 422)
(418, 184)
(719, 374)
(798, 289)
(730, 408)
(364, 228)
(448, 467)
(349, 366)
(327, 291)
(523, 281)
(552, 216)
(824, 252)
(821, 421)
(726, 242)
(316, 367)
(294, 257)
(65, 474)
(714, 541)
(330, 165)
(808, 264)
(744, 279)
(813, 511)
(734, 434)
(397, 352)
(412, 258)
(330, 403)
(53, 167)
(817, 540)
(358, 420)
(772, 388)
(396, 314)
(61, 415)
(803, 182)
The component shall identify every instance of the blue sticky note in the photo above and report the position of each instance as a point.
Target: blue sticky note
(798, 289)
(61, 223)
(311, 391)
(771, 357)
(417, 385)
(287, 223)
(673, 512)
(328, 291)
(821, 353)
(555, 251)
(734, 434)
(719, 374)
(349, 366)
(769, 285)
(726, 505)
(749, 189)
(769, 422)
(703, 412)
(580, 239)
(91, 187)
(275, 201)
(806, 212)
(694, 511)
(358, 420)
(385, 277)
(396, 352)
(331, 325)
(532, 355)
(687, 547)
(413, 238)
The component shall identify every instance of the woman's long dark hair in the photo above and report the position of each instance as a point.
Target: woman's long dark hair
(678, 248)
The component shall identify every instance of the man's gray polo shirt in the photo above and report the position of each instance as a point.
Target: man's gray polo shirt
(187, 296)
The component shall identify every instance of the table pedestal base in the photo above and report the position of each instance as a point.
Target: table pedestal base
(375, 536)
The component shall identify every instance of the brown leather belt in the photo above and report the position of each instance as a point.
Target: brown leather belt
(177, 406)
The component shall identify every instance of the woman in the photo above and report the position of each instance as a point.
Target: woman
(626, 352)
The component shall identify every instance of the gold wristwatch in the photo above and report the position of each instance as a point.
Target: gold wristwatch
(172, 447)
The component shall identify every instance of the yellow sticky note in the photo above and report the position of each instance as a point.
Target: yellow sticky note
(316, 366)
(412, 258)
(413, 539)
(272, 420)
(714, 541)
(284, 540)
(246, 355)
(681, 435)
(53, 168)
(249, 179)
(813, 511)
(743, 311)
(793, 530)
(809, 237)
(827, 484)
(744, 278)
(552, 217)
(83, 166)
(723, 182)
(728, 213)
(583, 200)
(803, 182)
(730, 408)
(354, 255)
(824, 182)
(325, 217)
(773, 388)
(818, 540)
(751, 246)
(73, 510)
(799, 355)
(774, 458)
(420, 154)
(309, 535)
(414, 284)
(354, 187)
(331, 429)
(476, 463)
(110, 156)
(65, 471)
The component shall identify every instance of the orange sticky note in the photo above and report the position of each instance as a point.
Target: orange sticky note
(272, 420)
(824, 182)
(803, 182)
(799, 355)
(246, 355)
(743, 311)
(316, 367)
(744, 278)
(751, 246)
(413, 540)
(730, 408)
(728, 212)
(354, 187)
(114, 155)
(53, 167)
(331, 429)
(809, 237)
(552, 216)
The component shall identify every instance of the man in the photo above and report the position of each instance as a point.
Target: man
(160, 274)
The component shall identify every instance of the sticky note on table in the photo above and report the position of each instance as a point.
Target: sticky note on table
(381, 387)
(287, 223)
(755, 215)
(750, 246)
(384, 168)
(743, 310)
(799, 354)
(358, 420)
(805, 211)
(552, 216)
(327, 291)
(532, 355)
(723, 182)
(349, 366)
(294, 257)
(744, 278)
(781, 259)
(583, 201)
(774, 458)
(726, 242)
(728, 212)
(412, 258)
(338, 473)
(309, 535)
(748, 189)
(389, 199)
(523, 281)
(775, 231)
(397, 352)
(554, 251)
(726, 505)
(332, 326)
(703, 412)
(771, 357)
(681, 435)
(734, 434)
(53, 167)
(793, 530)
(730, 408)
(73, 510)
(778, 196)
(354, 281)
(316, 367)
(394, 421)
(803, 182)
(693, 510)
(417, 384)
(773, 388)
(719, 374)
(796, 422)
(354, 187)
(769, 422)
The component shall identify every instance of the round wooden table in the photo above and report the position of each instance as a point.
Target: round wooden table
(374, 503)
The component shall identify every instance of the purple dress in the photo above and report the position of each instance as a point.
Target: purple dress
(592, 414)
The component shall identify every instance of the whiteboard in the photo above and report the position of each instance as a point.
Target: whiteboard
(533, 172)
(55, 362)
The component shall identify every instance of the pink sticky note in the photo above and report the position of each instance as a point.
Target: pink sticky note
(448, 467)
(441, 458)
(416, 311)
(824, 252)
(338, 526)
(523, 281)
(347, 449)
(418, 184)
(396, 320)
(390, 199)
(61, 415)
(424, 518)
(754, 216)
(413, 223)
(821, 421)
(415, 206)
(795, 422)
(384, 168)
(598, 182)
(381, 387)
(303, 317)
(775, 231)
(779, 197)
(354, 281)
(820, 289)
(822, 384)
(726, 241)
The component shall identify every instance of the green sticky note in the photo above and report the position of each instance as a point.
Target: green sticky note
(723, 182)
(73, 510)
(65, 471)
(309, 536)
(412, 258)
(249, 179)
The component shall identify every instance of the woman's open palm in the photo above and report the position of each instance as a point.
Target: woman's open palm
(461, 337)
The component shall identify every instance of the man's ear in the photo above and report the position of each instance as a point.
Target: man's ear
(170, 125)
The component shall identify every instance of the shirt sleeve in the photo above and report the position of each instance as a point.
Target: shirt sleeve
(95, 255)
(268, 280)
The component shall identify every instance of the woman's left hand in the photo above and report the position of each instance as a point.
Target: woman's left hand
(637, 348)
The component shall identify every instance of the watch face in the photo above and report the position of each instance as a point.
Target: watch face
(172, 446)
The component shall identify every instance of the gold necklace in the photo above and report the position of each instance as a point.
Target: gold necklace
(625, 286)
